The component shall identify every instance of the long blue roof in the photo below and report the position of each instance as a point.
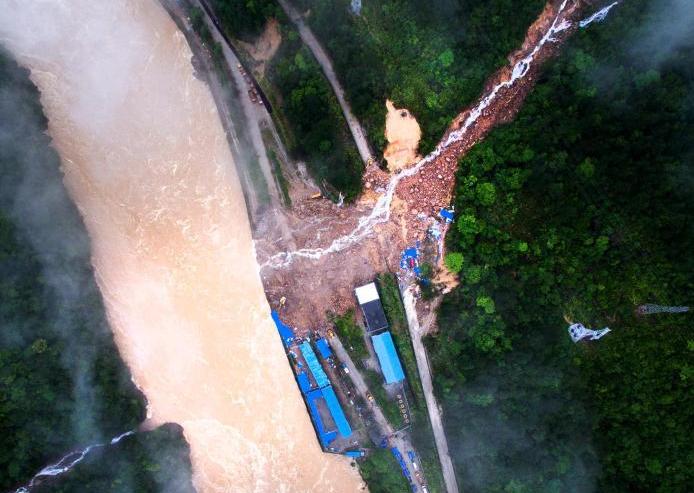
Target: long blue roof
(323, 348)
(304, 383)
(324, 435)
(336, 412)
(286, 332)
(388, 357)
(312, 361)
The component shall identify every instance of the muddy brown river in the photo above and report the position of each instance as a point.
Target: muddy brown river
(146, 161)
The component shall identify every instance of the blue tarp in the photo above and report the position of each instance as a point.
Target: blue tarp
(304, 383)
(316, 369)
(447, 214)
(323, 348)
(355, 454)
(388, 357)
(408, 259)
(336, 412)
(286, 332)
(324, 436)
(401, 461)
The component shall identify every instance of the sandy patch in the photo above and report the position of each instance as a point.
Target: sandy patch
(403, 134)
(265, 46)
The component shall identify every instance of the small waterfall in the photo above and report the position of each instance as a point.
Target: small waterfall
(598, 16)
(69, 461)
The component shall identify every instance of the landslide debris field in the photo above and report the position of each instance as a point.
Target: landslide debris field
(332, 248)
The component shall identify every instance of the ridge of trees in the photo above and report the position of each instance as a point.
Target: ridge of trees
(579, 210)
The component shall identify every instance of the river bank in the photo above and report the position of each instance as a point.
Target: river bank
(148, 165)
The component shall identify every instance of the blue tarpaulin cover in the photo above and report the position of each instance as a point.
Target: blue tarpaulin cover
(447, 214)
(323, 348)
(336, 412)
(398, 456)
(355, 454)
(313, 365)
(304, 383)
(286, 332)
(409, 255)
(388, 357)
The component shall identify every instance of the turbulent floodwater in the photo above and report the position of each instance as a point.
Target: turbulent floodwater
(146, 161)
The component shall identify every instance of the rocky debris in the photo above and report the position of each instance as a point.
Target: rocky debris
(316, 286)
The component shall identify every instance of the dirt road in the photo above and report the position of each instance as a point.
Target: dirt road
(310, 40)
(396, 439)
(432, 406)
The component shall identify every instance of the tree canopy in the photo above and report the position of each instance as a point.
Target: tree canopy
(578, 211)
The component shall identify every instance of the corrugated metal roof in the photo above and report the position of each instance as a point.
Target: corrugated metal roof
(286, 332)
(312, 361)
(374, 315)
(388, 357)
(336, 412)
(304, 383)
(323, 348)
(366, 293)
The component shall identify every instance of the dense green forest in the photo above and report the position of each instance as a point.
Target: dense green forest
(305, 108)
(62, 383)
(431, 57)
(579, 211)
(145, 462)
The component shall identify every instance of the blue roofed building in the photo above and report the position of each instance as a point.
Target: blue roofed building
(324, 435)
(336, 412)
(323, 348)
(304, 383)
(314, 365)
(286, 332)
(388, 357)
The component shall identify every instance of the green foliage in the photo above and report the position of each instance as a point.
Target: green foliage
(305, 107)
(382, 472)
(486, 303)
(374, 381)
(429, 58)
(149, 461)
(351, 334)
(590, 217)
(486, 193)
(245, 18)
(454, 261)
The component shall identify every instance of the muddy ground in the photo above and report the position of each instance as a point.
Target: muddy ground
(316, 286)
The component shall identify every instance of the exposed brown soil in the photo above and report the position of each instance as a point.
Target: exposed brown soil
(315, 286)
(265, 47)
(403, 135)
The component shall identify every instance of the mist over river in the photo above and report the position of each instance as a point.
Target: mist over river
(147, 163)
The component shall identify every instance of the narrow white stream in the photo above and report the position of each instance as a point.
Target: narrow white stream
(69, 461)
(381, 211)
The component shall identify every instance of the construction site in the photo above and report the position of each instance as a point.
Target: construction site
(314, 253)
(347, 406)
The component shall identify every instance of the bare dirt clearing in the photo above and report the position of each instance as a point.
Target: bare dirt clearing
(403, 135)
(336, 251)
(265, 46)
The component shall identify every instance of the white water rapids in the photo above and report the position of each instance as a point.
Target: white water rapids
(598, 16)
(69, 461)
(381, 211)
(147, 162)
